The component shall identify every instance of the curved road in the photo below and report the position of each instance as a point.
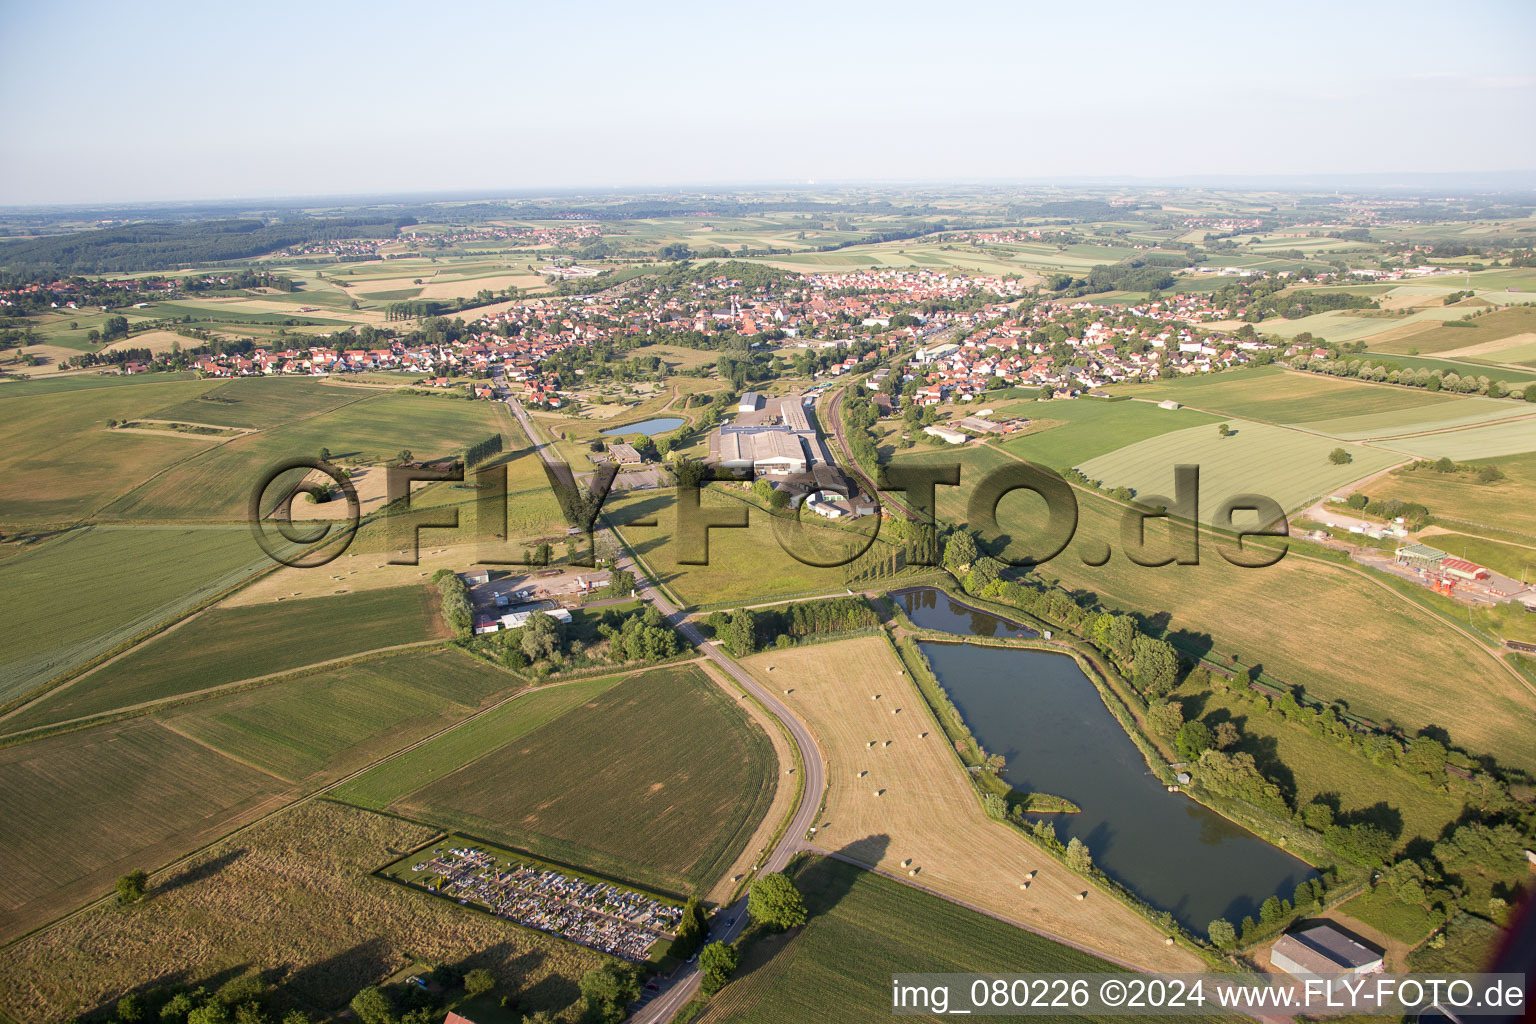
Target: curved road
(676, 991)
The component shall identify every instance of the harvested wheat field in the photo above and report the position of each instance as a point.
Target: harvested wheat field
(926, 815)
(294, 896)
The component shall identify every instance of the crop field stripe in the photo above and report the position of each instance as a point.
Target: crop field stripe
(460, 748)
(226, 645)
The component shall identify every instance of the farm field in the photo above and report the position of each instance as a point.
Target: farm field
(659, 780)
(371, 428)
(745, 565)
(224, 645)
(82, 808)
(397, 778)
(862, 929)
(137, 578)
(1286, 465)
(1346, 409)
(1309, 766)
(59, 462)
(256, 402)
(330, 722)
(929, 812)
(1092, 427)
(1422, 671)
(1483, 332)
(1509, 437)
(1508, 504)
(335, 928)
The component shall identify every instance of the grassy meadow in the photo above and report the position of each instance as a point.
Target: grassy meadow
(659, 780)
(1083, 429)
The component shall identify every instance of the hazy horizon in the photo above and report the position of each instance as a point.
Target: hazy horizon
(185, 103)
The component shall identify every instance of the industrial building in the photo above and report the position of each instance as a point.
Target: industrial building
(1323, 949)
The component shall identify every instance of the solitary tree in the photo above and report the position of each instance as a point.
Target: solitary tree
(1224, 430)
(478, 982)
(774, 900)
(132, 887)
(1340, 457)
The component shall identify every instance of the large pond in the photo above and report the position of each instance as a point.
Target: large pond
(650, 427)
(1039, 711)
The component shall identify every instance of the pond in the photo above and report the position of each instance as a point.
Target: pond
(1038, 710)
(650, 427)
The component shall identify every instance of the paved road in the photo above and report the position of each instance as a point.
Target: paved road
(676, 991)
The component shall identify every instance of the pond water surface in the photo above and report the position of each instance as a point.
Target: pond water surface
(1038, 710)
(650, 427)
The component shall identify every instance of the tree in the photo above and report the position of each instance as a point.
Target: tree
(130, 1008)
(373, 1006)
(478, 982)
(1165, 717)
(741, 634)
(1222, 934)
(1194, 739)
(1157, 665)
(325, 455)
(1227, 735)
(774, 901)
(717, 962)
(541, 636)
(959, 552)
(690, 930)
(1340, 457)
(1271, 912)
(608, 990)
(1225, 430)
(132, 887)
(620, 583)
(1079, 859)
(404, 456)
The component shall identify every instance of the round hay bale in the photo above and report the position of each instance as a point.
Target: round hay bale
(862, 774)
(879, 792)
(870, 743)
(922, 735)
(913, 871)
(875, 697)
(1032, 874)
(1023, 885)
(1168, 941)
(1082, 895)
(907, 863)
(887, 743)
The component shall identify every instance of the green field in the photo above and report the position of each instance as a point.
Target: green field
(1090, 427)
(224, 645)
(259, 402)
(743, 564)
(1511, 437)
(1513, 560)
(321, 723)
(395, 779)
(659, 780)
(1288, 466)
(369, 429)
(59, 462)
(1439, 339)
(82, 594)
(862, 929)
(1345, 409)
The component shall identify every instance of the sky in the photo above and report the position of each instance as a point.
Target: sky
(109, 102)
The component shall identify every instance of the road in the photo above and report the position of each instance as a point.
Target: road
(676, 991)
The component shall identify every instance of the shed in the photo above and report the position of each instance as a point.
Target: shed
(1324, 949)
